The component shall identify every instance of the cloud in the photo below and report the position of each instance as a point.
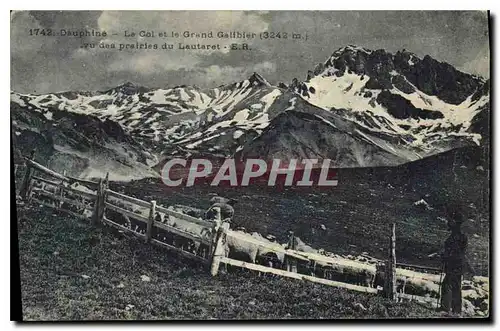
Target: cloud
(24, 44)
(142, 62)
(226, 74)
(194, 67)
(480, 65)
(191, 25)
(149, 63)
(194, 21)
(53, 64)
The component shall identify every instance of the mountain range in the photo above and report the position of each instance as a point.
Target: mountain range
(359, 108)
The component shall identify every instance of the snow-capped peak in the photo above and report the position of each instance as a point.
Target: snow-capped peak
(387, 94)
(351, 48)
(256, 80)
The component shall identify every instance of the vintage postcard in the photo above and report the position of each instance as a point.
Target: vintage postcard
(244, 165)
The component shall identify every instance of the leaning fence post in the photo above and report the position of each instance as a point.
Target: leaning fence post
(151, 219)
(23, 192)
(390, 279)
(220, 248)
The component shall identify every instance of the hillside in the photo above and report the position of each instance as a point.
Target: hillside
(81, 145)
(354, 217)
(311, 133)
(71, 271)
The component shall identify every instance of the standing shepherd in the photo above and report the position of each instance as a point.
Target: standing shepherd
(454, 261)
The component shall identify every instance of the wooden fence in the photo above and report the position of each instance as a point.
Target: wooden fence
(95, 201)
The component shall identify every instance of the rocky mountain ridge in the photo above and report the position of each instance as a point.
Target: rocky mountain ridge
(361, 108)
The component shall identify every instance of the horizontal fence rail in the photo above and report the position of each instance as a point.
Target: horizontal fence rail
(184, 217)
(121, 227)
(126, 212)
(294, 275)
(46, 204)
(126, 198)
(84, 194)
(62, 199)
(47, 171)
(83, 181)
(46, 181)
(182, 233)
(418, 267)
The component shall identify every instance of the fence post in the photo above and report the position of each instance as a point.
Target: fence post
(25, 186)
(61, 189)
(291, 263)
(97, 206)
(390, 279)
(102, 203)
(151, 219)
(215, 229)
(220, 248)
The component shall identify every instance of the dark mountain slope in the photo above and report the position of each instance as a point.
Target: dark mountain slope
(81, 145)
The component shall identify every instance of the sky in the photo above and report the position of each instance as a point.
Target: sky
(43, 64)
